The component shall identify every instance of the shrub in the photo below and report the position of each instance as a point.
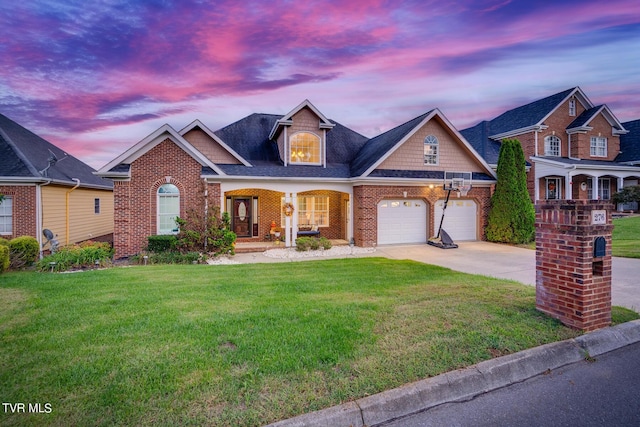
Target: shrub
(83, 255)
(512, 215)
(211, 234)
(4, 258)
(4, 242)
(312, 243)
(23, 251)
(162, 243)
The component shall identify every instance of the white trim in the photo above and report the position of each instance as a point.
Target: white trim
(149, 142)
(286, 120)
(216, 138)
(434, 113)
(516, 132)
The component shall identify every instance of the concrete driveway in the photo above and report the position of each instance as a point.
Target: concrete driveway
(507, 262)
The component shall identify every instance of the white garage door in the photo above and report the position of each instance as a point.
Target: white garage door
(460, 220)
(402, 221)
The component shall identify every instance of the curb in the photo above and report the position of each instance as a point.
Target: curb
(464, 384)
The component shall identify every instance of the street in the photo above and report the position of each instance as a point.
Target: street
(600, 392)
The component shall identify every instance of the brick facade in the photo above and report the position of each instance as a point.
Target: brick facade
(24, 209)
(366, 198)
(136, 200)
(573, 285)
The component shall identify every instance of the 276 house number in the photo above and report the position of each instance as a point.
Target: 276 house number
(599, 217)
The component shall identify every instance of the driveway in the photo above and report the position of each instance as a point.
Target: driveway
(507, 262)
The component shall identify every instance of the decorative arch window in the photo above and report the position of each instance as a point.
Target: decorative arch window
(304, 148)
(168, 209)
(552, 146)
(431, 152)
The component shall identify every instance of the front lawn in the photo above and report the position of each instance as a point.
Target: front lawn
(246, 344)
(626, 237)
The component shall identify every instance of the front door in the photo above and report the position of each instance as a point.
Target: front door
(241, 221)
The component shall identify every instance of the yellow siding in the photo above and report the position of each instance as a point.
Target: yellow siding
(453, 155)
(84, 223)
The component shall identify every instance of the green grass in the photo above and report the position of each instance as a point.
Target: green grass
(247, 344)
(626, 237)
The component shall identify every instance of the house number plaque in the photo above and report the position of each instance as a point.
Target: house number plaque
(599, 217)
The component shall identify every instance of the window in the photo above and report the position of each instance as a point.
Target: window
(96, 206)
(431, 150)
(552, 146)
(553, 188)
(305, 148)
(168, 209)
(572, 107)
(6, 215)
(604, 189)
(312, 210)
(598, 146)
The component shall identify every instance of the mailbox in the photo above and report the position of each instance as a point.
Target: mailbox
(599, 247)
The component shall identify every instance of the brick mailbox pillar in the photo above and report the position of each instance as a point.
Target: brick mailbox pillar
(573, 262)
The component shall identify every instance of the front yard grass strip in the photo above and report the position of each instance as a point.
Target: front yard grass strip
(246, 344)
(626, 237)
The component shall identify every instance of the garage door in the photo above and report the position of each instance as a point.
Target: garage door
(460, 221)
(402, 221)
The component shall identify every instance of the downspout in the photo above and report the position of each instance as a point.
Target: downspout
(67, 206)
(39, 214)
(206, 210)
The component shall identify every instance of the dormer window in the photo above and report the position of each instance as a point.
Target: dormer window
(304, 148)
(572, 107)
(431, 150)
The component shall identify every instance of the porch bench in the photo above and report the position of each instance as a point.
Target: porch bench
(314, 231)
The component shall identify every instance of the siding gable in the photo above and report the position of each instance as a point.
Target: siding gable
(452, 153)
(210, 148)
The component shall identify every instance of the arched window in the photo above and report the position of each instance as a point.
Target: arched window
(168, 209)
(304, 148)
(431, 150)
(552, 146)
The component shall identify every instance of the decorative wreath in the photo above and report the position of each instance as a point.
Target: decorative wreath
(288, 209)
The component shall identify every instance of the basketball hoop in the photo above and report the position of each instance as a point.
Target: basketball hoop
(463, 190)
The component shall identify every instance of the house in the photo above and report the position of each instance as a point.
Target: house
(573, 147)
(46, 188)
(303, 171)
(630, 155)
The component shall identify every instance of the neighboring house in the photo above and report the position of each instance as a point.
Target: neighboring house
(630, 155)
(388, 189)
(573, 147)
(45, 188)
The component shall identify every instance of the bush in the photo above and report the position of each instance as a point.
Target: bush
(162, 243)
(4, 242)
(312, 243)
(23, 251)
(83, 255)
(512, 215)
(4, 258)
(211, 234)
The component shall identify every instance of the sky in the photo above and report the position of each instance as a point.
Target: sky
(94, 77)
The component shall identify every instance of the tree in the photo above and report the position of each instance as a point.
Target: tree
(627, 195)
(512, 216)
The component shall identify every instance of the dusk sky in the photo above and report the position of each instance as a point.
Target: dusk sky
(95, 77)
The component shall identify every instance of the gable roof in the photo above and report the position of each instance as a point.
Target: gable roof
(630, 143)
(378, 149)
(286, 119)
(26, 157)
(485, 136)
(119, 167)
(198, 124)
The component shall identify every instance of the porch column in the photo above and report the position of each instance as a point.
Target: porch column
(568, 186)
(595, 192)
(536, 186)
(620, 183)
(294, 220)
